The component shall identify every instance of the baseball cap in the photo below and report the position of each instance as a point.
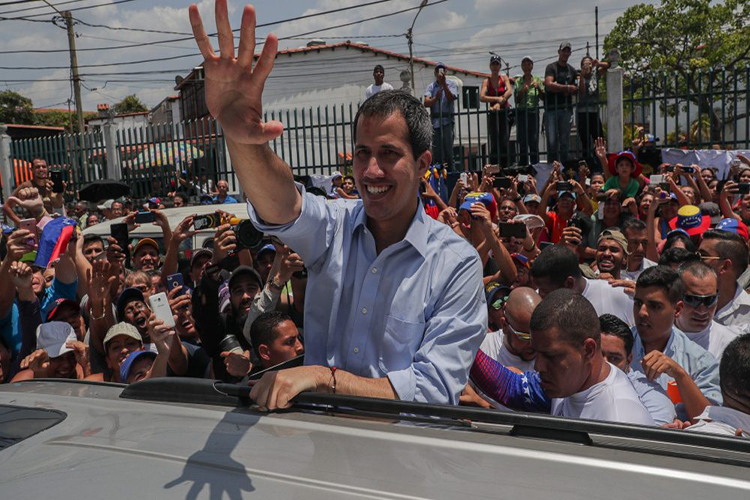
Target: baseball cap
(199, 253)
(154, 200)
(106, 205)
(245, 270)
(126, 297)
(206, 199)
(440, 65)
(734, 226)
(494, 290)
(55, 306)
(532, 197)
(712, 210)
(121, 328)
(143, 242)
(125, 366)
(565, 45)
(29, 258)
(521, 260)
(336, 175)
(617, 236)
(527, 58)
(569, 193)
(265, 249)
(614, 158)
(484, 198)
(495, 59)
(53, 336)
(690, 219)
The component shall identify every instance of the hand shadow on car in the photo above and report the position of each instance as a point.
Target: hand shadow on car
(213, 466)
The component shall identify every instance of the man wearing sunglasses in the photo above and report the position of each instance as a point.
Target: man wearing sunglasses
(664, 353)
(701, 300)
(727, 254)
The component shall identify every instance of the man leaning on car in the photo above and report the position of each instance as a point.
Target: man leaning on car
(394, 307)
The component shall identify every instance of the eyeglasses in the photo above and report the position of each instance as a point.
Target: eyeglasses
(696, 300)
(703, 256)
(520, 335)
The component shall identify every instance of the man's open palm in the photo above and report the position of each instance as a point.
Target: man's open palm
(233, 86)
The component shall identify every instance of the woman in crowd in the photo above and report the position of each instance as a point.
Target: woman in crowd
(496, 92)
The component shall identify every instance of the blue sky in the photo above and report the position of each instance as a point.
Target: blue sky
(457, 32)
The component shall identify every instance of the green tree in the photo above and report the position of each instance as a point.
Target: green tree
(131, 104)
(15, 108)
(704, 43)
(61, 119)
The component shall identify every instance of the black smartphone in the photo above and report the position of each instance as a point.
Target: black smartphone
(545, 244)
(743, 188)
(145, 217)
(670, 168)
(57, 181)
(514, 230)
(502, 183)
(120, 233)
(563, 186)
(664, 186)
(688, 170)
(175, 280)
(579, 223)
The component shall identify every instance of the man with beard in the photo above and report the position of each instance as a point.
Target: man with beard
(611, 251)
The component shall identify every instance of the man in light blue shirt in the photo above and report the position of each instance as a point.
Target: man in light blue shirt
(663, 352)
(223, 197)
(439, 97)
(394, 305)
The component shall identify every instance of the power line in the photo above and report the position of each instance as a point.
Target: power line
(29, 17)
(162, 59)
(39, 7)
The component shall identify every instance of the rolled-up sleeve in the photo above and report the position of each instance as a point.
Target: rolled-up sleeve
(451, 340)
(311, 233)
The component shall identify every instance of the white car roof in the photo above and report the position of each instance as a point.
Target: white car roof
(174, 216)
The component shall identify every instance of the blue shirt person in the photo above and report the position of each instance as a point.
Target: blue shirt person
(439, 97)
(223, 187)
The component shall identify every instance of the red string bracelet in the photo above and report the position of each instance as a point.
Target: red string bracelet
(333, 377)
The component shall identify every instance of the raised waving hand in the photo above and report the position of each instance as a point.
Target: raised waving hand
(234, 85)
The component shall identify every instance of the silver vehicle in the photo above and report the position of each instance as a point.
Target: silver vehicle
(192, 438)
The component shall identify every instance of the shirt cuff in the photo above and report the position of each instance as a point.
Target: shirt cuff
(404, 382)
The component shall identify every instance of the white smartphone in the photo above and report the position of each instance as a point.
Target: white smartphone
(464, 178)
(656, 179)
(160, 306)
(522, 179)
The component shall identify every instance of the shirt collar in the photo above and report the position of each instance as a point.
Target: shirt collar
(417, 234)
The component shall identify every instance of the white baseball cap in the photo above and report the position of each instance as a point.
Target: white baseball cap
(106, 205)
(53, 336)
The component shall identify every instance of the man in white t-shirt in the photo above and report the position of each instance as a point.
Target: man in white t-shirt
(733, 419)
(378, 73)
(727, 254)
(566, 337)
(557, 267)
(697, 317)
(637, 235)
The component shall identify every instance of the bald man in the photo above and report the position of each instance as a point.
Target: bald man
(510, 345)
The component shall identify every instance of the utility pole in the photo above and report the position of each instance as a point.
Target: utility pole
(596, 20)
(410, 38)
(74, 69)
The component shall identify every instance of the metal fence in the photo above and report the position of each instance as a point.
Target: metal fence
(698, 111)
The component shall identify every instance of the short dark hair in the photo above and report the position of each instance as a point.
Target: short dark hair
(633, 223)
(556, 263)
(182, 196)
(663, 277)
(677, 256)
(675, 236)
(734, 369)
(610, 324)
(730, 246)
(418, 123)
(263, 329)
(378, 67)
(571, 313)
(92, 238)
(351, 177)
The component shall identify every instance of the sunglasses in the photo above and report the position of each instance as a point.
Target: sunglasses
(520, 335)
(703, 256)
(499, 303)
(696, 300)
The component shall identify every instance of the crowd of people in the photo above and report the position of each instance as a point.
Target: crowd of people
(606, 296)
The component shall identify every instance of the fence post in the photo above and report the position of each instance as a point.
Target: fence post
(615, 127)
(6, 162)
(110, 143)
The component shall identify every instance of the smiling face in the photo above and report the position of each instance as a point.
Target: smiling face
(609, 257)
(241, 295)
(146, 258)
(118, 349)
(385, 171)
(136, 313)
(39, 169)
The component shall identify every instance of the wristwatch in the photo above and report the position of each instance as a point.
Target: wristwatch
(272, 283)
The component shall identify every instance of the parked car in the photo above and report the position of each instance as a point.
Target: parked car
(194, 438)
(174, 216)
